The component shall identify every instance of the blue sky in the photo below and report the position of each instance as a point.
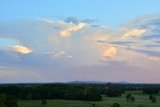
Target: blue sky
(85, 40)
(108, 12)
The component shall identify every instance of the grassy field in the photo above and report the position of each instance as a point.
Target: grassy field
(141, 99)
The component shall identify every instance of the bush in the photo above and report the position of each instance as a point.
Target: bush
(150, 97)
(141, 105)
(132, 99)
(44, 102)
(128, 97)
(115, 105)
(153, 100)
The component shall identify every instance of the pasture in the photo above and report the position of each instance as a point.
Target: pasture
(141, 100)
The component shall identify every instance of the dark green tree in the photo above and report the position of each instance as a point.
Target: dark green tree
(128, 97)
(153, 99)
(150, 97)
(8, 101)
(44, 102)
(132, 99)
(2, 100)
(114, 90)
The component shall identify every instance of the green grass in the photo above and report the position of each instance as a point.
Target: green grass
(106, 102)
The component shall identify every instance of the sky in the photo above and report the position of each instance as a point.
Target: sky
(79, 40)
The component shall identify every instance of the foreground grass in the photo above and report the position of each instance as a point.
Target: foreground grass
(141, 99)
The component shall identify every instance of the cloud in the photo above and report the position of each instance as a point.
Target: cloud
(21, 49)
(157, 59)
(153, 46)
(122, 43)
(134, 33)
(76, 20)
(148, 52)
(73, 20)
(101, 48)
(60, 54)
(19, 74)
(72, 28)
(109, 52)
(151, 36)
(101, 38)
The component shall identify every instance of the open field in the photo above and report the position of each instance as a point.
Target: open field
(141, 99)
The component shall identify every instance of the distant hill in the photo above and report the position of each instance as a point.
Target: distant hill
(97, 82)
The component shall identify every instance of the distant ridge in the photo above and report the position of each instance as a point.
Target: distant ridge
(77, 82)
(97, 82)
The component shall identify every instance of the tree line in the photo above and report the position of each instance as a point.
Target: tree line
(84, 92)
(53, 91)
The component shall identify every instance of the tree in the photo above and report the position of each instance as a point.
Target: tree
(11, 101)
(114, 90)
(44, 102)
(115, 105)
(150, 97)
(128, 97)
(29, 97)
(151, 90)
(2, 100)
(153, 100)
(8, 101)
(132, 99)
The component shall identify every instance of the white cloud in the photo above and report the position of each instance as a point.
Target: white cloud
(134, 33)
(88, 47)
(71, 28)
(21, 49)
(109, 52)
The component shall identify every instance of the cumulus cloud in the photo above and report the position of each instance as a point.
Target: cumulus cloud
(134, 33)
(91, 46)
(72, 28)
(21, 49)
(109, 52)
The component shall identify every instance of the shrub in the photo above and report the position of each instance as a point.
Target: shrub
(150, 97)
(132, 99)
(141, 105)
(128, 97)
(115, 105)
(44, 102)
(153, 100)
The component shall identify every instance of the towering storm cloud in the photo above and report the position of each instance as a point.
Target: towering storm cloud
(56, 48)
